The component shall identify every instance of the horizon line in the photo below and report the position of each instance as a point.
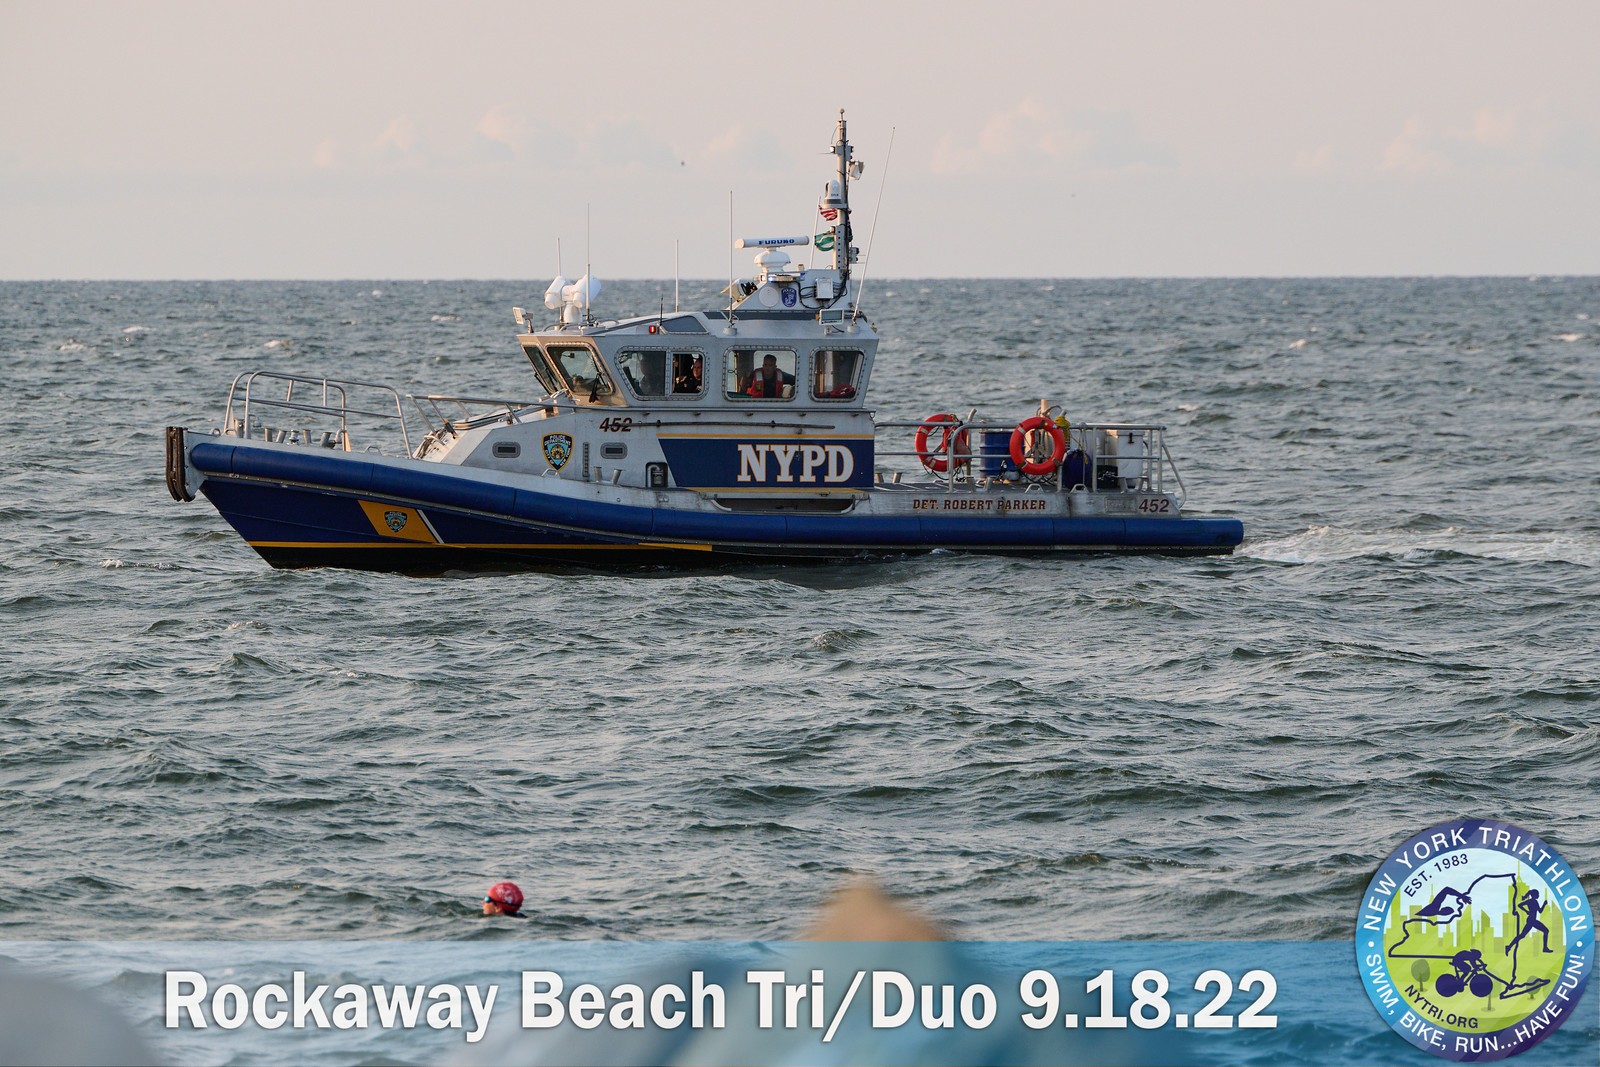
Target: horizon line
(1516, 275)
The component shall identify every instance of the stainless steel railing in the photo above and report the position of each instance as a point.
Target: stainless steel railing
(317, 411)
(964, 454)
(1099, 457)
(470, 411)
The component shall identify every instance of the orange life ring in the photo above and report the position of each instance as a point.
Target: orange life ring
(1058, 441)
(935, 459)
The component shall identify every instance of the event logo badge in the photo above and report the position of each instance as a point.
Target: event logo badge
(557, 449)
(1475, 940)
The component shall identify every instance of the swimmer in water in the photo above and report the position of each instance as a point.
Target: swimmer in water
(503, 898)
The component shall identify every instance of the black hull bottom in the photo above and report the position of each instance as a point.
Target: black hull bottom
(437, 560)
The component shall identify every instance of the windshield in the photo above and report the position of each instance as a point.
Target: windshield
(581, 371)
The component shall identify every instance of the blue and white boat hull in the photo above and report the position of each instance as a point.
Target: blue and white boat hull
(306, 507)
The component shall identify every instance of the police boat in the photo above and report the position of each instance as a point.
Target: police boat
(678, 438)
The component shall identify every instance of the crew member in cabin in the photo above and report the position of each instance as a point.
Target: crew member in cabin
(503, 898)
(769, 381)
(687, 379)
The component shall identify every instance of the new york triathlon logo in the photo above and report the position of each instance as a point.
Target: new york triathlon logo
(1475, 940)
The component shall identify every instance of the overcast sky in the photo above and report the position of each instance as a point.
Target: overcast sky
(409, 140)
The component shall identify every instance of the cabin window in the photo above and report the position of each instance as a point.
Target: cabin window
(836, 374)
(688, 378)
(541, 368)
(581, 372)
(645, 372)
(659, 374)
(760, 374)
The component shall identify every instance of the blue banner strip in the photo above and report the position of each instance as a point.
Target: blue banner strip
(714, 1003)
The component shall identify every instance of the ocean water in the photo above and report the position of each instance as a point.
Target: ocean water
(194, 745)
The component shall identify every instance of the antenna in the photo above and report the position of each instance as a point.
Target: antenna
(730, 262)
(862, 284)
(811, 235)
(676, 275)
(588, 261)
(559, 272)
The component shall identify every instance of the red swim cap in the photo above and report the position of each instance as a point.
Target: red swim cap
(507, 895)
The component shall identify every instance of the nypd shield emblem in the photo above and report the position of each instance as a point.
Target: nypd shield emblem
(395, 519)
(557, 449)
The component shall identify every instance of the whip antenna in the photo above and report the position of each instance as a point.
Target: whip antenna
(862, 284)
(731, 300)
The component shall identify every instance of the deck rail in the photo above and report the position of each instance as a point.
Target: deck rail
(316, 411)
(470, 412)
(962, 454)
(473, 410)
(1099, 456)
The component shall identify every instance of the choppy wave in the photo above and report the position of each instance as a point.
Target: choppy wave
(1324, 544)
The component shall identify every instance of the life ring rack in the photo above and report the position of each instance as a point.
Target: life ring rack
(1058, 446)
(938, 458)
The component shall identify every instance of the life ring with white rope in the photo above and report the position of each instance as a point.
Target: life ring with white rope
(937, 459)
(1058, 446)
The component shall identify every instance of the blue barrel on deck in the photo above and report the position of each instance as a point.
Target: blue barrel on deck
(994, 453)
(1075, 469)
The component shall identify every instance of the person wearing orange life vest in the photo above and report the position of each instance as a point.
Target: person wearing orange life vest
(769, 382)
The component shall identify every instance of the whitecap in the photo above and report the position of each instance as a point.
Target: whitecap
(445, 318)
(1567, 337)
(1301, 343)
(136, 329)
(1188, 407)
(279, 342)
(71, 346)
(1329, 544)
(113, 564)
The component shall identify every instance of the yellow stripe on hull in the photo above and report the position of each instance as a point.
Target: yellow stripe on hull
(567, 546)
